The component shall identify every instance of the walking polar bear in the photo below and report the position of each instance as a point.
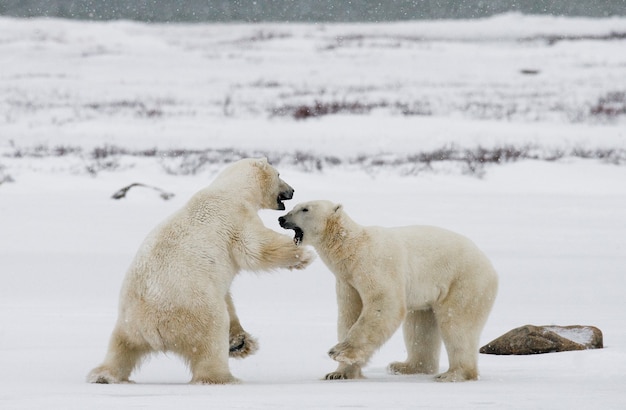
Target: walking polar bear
(175, 296)
(436, 282)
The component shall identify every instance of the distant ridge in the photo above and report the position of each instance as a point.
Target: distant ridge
(301, 10)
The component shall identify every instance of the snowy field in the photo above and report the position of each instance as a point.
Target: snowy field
(510, 130)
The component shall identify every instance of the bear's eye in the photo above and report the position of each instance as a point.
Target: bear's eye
(305, 209)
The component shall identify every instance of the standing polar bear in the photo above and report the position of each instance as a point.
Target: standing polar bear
(175, 296)
(436, 282)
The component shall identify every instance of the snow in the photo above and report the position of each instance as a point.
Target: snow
(554, 229)
(583, 336)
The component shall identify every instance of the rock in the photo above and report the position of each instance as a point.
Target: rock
(531, 339)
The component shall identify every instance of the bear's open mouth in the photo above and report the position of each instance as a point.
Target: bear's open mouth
(280, 206)
(299, 234)
(283, 196)
(285, 224)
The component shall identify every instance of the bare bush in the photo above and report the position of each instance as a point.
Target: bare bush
(319, 108)
(138, 108)
(42, 151)
(470, 161)
(611, 105)
(4, 176)
(192, 162)
(553, 39)
(322, 108)
(264, 35)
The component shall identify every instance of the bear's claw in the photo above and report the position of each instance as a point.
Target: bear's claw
(238, 347)
(335, 376)
(101, 380)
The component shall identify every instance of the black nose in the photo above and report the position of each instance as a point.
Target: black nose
(281, 220)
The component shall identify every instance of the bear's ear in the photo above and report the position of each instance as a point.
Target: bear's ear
(338, 207)
(262, 163)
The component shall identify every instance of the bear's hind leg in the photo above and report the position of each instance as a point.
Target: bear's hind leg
(461, 318)
(423, 344)
(211, 367)
(240, 343)
(463, 364)
(206, 348)
(461, 339)
(122, 357)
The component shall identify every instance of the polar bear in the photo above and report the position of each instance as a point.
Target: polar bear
(175, 296)
(436, 282)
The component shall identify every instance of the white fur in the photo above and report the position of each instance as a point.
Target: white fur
(175, 296)
(436, 282)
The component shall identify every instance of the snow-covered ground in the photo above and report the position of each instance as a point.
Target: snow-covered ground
(87, 108)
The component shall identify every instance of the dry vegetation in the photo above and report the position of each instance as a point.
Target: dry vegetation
(181, 162)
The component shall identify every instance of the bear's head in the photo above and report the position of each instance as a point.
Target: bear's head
(256, 181)
(310, 220)
(273, 189)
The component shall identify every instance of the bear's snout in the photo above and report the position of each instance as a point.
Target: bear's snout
(286, 195)
(285, 224)
(286, 191)
(282, 222)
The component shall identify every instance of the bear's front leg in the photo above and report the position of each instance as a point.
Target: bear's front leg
(267, 250)
(380, 316)
(349, 309)
(206, 346)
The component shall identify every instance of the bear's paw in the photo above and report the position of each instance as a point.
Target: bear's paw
(345, 352)
(401, 368)
(459, 375)
(345, 373)
(242, 345)
(102, 375)
(221, 379)
(304, 258)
